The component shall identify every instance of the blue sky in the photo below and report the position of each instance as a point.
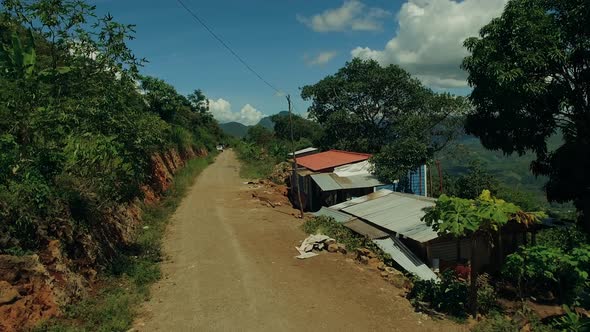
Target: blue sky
(292, 43)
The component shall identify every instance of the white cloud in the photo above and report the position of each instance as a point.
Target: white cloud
(222, 111)
(429, 38)
(352, 15)
(321, 59)
(249, 115)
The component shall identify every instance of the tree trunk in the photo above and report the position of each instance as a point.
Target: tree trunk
(473, 278)
(583, 206)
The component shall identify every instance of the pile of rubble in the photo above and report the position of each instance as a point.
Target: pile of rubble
(393, 276)
(281, 173)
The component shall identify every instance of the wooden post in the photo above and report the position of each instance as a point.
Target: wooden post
(296, 184)
(473, 277)
(440, 176)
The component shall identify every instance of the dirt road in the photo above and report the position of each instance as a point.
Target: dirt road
(231, 267)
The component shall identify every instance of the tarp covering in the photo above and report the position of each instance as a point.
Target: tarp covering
(361, 168)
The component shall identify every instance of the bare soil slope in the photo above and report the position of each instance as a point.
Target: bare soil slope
(231, 267)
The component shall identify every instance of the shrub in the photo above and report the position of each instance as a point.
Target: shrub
(564, 238)
(486, 295)
(449, 295)
(549, 268)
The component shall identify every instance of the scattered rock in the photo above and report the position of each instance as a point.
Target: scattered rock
(8, 293)
(398, 280)
(342, 248)
(332, 247)
(382, 267)
(364, 259)
(391, 270)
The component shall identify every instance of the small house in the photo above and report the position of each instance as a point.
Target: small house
(321, 183)
(331, 177)
(394, 221)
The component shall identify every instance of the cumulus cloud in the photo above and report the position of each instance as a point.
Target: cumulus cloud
(222, 112)
(321, 58)
(352, 15)
(429, 38)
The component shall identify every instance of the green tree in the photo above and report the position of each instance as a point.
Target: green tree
(365, 107)
(76, 134)
(530, 73)
(260, 136)
(471, 184)
(302, 128)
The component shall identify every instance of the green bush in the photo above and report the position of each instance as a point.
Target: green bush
(486, 295)
(564, 238)
(449, 295)
(543, 268)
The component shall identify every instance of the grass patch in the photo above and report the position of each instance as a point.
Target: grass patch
(352, 241)
(256, 169)
(127, 281)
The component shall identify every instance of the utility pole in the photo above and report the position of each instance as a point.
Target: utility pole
(440, 176)
(295, 178)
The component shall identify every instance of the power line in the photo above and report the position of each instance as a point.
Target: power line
(200, 21)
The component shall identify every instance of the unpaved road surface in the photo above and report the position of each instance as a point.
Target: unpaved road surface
(231, 267)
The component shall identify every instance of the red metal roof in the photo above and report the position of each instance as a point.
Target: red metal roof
(330, 159)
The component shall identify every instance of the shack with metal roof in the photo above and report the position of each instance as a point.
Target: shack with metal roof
(321, 184)
(394, 221)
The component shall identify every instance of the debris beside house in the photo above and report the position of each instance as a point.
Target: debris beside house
(281, 173)
(319, 242)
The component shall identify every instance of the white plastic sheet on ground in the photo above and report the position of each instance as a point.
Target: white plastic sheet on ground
(317, 242)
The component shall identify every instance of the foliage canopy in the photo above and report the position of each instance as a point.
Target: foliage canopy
(530, 73)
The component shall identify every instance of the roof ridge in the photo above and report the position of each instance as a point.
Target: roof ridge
(351, 152)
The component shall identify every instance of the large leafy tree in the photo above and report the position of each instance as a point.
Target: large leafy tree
(366, 107)
(302, 128)
(530, 73)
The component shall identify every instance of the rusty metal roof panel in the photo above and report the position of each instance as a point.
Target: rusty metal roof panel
(331, 159)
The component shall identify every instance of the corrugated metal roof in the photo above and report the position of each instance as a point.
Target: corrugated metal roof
(331, 159)
(355, 201)
(331, 181)
(302, 151)
(400, 213)
(405, 258)
(340, 217)
(365, 229)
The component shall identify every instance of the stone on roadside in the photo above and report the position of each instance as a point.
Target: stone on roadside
(341, 248)
(391, 270)
(398, 280)
(381, 266)
(374, 262)
(332, 247)
(8, 293)
(364, 259)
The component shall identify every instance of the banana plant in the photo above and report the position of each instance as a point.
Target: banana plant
(21, 62)
(16, 60)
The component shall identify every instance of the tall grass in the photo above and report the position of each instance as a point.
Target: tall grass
(126, 284)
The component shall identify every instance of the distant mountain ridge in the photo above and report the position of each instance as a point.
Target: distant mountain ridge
(240, 130)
